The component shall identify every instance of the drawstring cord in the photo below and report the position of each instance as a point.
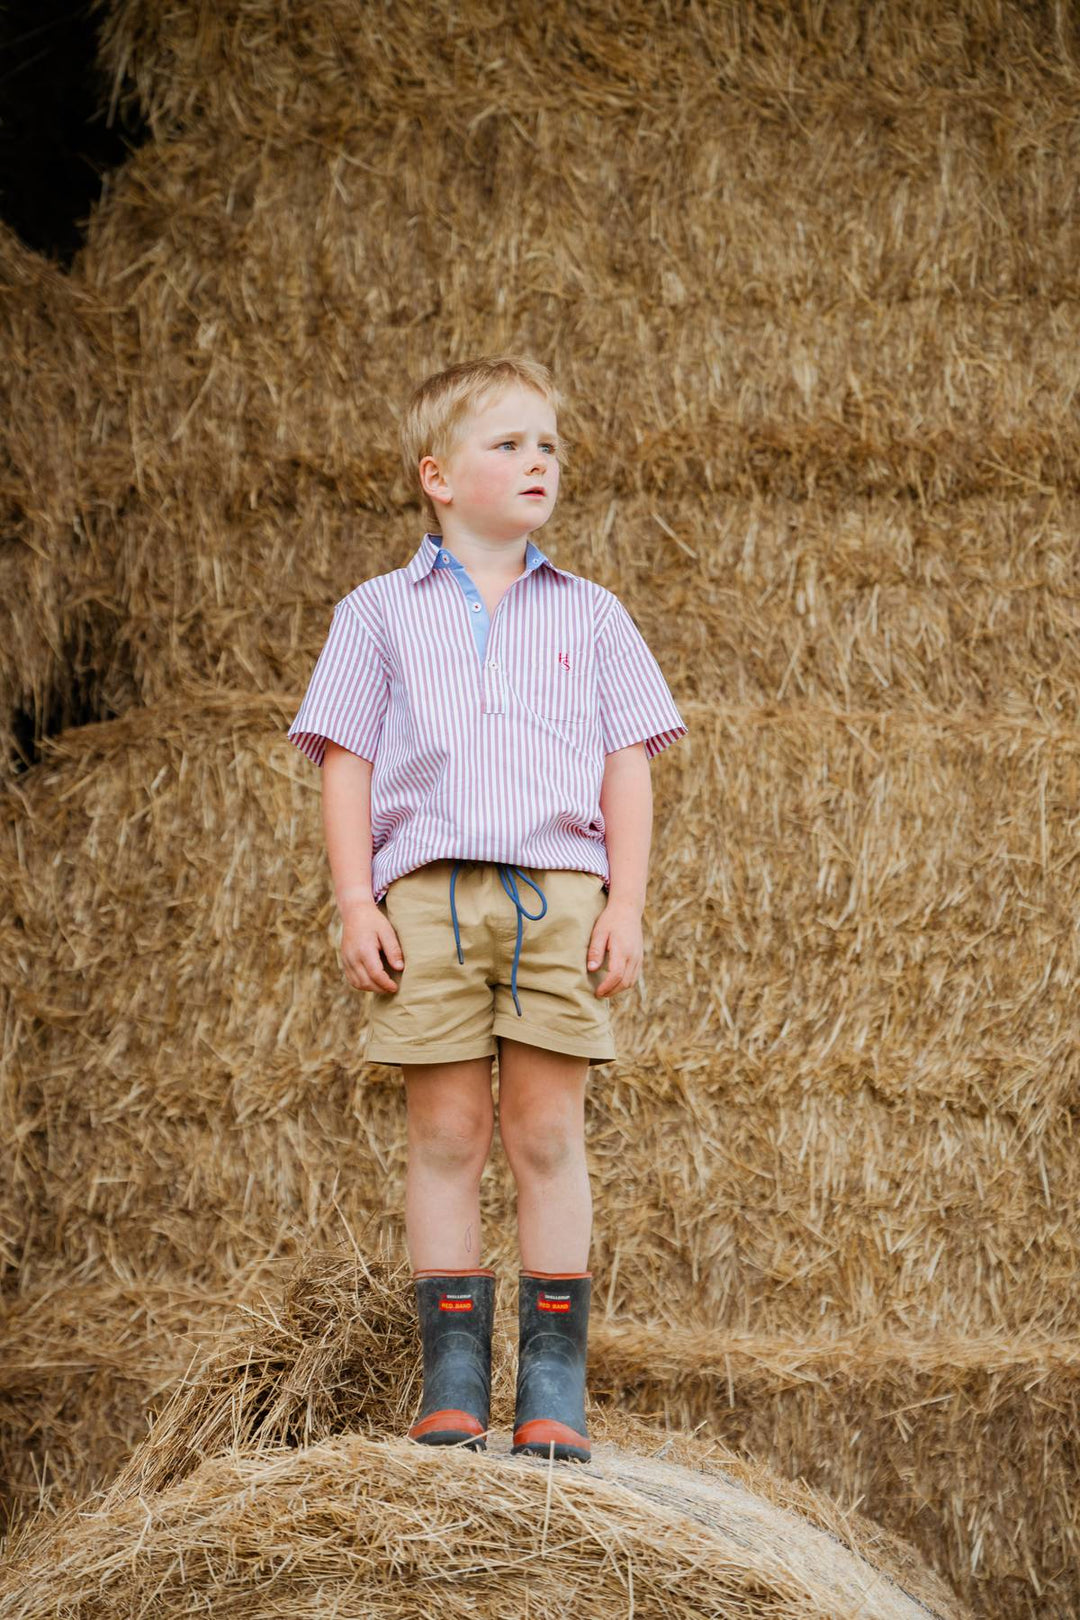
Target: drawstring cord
(506, 872)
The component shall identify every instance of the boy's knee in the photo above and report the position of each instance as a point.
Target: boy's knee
(457, 1144)
(540, 1148)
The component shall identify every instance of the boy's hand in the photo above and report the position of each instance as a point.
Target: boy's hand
(618, 930)
(366, 928)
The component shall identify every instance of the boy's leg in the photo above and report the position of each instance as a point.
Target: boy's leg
(451, 1121)
(542, 1125)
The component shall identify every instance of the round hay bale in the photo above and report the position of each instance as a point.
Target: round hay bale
(361, 1526)
(247, 1498)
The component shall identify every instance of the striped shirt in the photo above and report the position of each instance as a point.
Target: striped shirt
(487, 733)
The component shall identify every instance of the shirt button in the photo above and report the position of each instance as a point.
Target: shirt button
(444, 557)
(494, 665)
(476, 607)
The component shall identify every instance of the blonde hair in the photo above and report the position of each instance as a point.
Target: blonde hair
(439, 408)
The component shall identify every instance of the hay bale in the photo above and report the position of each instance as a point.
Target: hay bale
(817, 274)
(786, 1250)
(57, 447)
(359, 1526)
(178, 1015)
(814, 288)
(246, 1492)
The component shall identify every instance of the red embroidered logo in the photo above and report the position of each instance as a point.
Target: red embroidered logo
(455, 1302)
(564, 660)
(553, 1302)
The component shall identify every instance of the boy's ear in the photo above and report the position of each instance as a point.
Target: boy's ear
(431, 477)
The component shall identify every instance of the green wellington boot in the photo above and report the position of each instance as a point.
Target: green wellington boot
(553, 1327)
(456, 1310)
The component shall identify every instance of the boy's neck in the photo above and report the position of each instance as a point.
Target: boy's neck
(493, 559)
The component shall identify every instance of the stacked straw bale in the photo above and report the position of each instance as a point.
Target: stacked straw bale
(807, 278)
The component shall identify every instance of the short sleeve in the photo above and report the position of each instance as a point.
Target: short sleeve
(635, 703)
(348, 693)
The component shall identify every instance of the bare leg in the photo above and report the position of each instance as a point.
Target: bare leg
(542, 1124)
(451, 1121)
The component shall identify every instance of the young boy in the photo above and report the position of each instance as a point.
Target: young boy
(485, 719)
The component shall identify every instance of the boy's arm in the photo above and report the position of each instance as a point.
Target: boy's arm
(346, 809)
(627, 807)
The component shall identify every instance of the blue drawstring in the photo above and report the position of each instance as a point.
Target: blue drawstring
(510, 886)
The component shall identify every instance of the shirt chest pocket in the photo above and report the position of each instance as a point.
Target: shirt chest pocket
(557, 691)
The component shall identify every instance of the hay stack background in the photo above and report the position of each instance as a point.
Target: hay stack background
(808, 281)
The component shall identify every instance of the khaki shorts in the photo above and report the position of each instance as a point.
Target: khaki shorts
(446, 1010)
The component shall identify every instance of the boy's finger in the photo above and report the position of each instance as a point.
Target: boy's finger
(377, 973)
(615, 975)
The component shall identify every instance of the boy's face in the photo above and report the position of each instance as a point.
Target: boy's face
(506, 447)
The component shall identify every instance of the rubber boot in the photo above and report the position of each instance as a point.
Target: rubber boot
(553, 1328)
(456, 1310)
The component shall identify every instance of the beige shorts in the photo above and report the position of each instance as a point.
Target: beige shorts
(446, 1010)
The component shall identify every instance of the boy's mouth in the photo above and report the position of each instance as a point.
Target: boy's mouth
(536, 490)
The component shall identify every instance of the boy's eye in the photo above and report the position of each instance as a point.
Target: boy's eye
(546, 446)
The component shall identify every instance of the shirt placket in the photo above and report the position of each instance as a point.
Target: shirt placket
(492, 679)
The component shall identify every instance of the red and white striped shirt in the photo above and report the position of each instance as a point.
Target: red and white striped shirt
(487, 732)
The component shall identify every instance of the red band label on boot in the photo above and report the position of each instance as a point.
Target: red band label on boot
(553, 1302)
(455, 1302)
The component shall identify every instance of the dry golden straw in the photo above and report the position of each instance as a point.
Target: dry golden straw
(807, 275)
(246, 1493)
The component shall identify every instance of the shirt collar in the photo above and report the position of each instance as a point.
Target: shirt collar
(426, 557)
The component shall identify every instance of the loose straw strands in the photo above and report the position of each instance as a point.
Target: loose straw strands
(214, 1501)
